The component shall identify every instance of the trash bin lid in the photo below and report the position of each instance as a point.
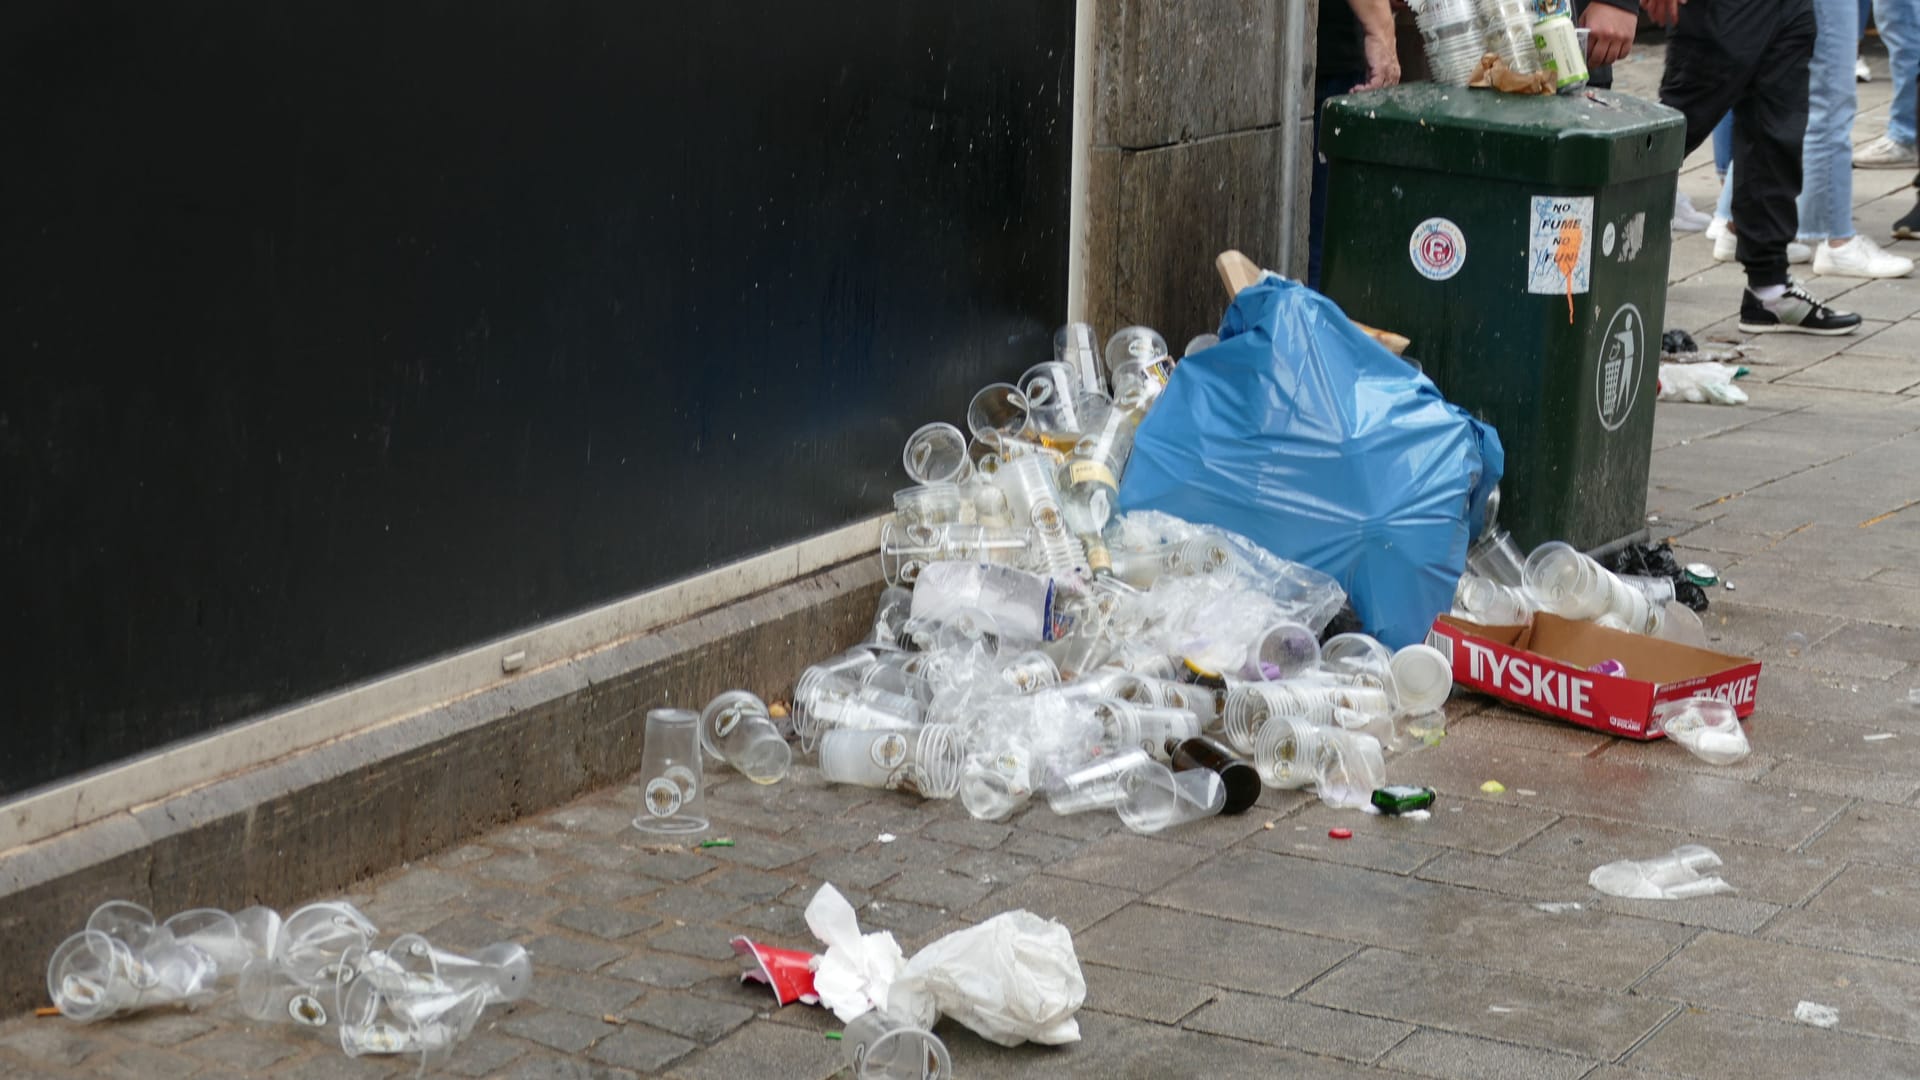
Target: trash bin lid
(1585, 139)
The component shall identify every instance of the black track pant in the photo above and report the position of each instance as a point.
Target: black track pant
(1749, 56)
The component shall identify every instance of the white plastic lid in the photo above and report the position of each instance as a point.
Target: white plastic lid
(1424, 678)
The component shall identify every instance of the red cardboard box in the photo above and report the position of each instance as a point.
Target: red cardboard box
(1543, 668)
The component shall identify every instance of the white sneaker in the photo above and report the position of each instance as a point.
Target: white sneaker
(1859, 257)
(1884, 153)
(1685, 218)
(1717, 228)
(1861, 73)
(1726, 246)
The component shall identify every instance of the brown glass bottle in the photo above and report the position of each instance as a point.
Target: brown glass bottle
(1241, 779)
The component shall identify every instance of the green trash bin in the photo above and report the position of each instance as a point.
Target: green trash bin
(1521, 244)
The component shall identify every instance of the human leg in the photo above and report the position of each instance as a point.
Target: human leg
(1825, 204)
(1899, 23)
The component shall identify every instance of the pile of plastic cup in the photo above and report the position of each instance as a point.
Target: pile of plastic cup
(1454, 39)
(1508, 25)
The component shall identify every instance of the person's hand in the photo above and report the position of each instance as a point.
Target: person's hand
(1663, 12)
(1610, 31)
(1383, 63)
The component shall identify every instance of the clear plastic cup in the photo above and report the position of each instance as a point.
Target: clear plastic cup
(1074, 346)
(1352, 767)
(997, 414)
(1490, 603)
(1658, 590)
(1497, 558)
(995, 784)
(933, 505)
(1566, 582)
(1138, 345)
(878, 1047)
(1146, 726)
(736, 728)
(890, 616)
(313, 938)
(823, 702)
(91, 976)
(673, 792)
(1285, 650)
(1030, 671)
(1422, 677)
(1052, 393)
(1154, 798)
(1097, 785)
(927, 761)
(937, 454)
(1287, 752)
(1035, 498)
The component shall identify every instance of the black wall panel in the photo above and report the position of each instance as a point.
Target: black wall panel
(336, 336)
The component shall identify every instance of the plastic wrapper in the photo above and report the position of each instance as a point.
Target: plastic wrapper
(857, 971)
(1673, 876)
(1707, 727)
(1012, 979)
(1701, 384)
(1304, 435)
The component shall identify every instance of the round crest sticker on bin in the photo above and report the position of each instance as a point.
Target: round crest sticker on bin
(1438, 249)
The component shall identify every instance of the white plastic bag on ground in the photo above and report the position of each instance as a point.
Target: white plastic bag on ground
(1012, 979)
(1706, 726)
(857, 971)
(1673, 876)
(1700, 384)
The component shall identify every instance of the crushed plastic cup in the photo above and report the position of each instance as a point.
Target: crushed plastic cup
(1154, 798)
(933, 505)
(994, 785)
(1352, 766)
(672, 790)
(1706, 726)
(1422, 679)
(937, 454)
(1497, 558)
(927, 761)
(997, 414)
(890, 616)
(1673, 876)
(735, 728)
(878, 1047)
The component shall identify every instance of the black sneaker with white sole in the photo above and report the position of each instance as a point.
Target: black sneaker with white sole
(1907, 228)
(1797, 312)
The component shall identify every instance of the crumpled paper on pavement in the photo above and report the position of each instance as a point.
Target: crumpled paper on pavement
(856, 972)
(1012, 979)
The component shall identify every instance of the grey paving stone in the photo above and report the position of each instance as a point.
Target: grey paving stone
(1142, 996)
(772, 922)
(1691, 802)
(462, 855)
(589, 818)
(237, 1048)
(764, 1049)
(1043, 846)
(1300, 1026)
(1074, 904)
(1375, 851)
(588, 995)
(1510, 1008)
(607, 923)
(751, 886)
(517, 869)
(856, 871)
(567, 1032)
(486, 1054)
(913, 851)
(1874, 997)
(162, 1027)
(1847, 783)
(671, 865)
(468, 931)
(57, 1042)
(1718, 1044)
(693, 902)
(974, 834)
(690, 1017)
(335, 1066)
(139, 1063)
(1867, 909)
(605, 886)
(665, 971)
(641, 1049)
(705, 942)
(1875, 834)
(935, 888)
(996, 868)
(759, 852)
(1113, 1046)
(1552, 884)
(1485, 827)
(1462, 1057)
(904, 919)
(1231, 955)
(513, 906)
(547, 1066)
(1130, 862)
(573, 954)
(1376, 909)
(730, 989)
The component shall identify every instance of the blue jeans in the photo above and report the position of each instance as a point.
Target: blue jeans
(1826, 157)
(1899, 23)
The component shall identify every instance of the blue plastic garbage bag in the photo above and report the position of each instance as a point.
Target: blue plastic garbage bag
(1303, 434)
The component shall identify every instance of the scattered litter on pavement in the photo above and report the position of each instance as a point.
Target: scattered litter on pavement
(1701, 383)
(1560, 907)
(1014, 978)
(787, 972)
(1820, 1016)
(1673, 876)
(886, 838)
(1493, 787)
(1528, 792)
(1879, 737)
(1340, 833)
(1795, 643)
(724, 841)
(1913, 695)
(317, 966)
(856, 972)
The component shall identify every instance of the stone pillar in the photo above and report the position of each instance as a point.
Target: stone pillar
(1200, 110)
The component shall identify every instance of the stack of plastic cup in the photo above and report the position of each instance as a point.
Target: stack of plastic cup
(1454, 40)
(1509, 31)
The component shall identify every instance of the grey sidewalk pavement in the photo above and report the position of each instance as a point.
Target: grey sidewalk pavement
(1257, 946)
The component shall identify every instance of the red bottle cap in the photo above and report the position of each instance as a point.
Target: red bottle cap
(1340, 833)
